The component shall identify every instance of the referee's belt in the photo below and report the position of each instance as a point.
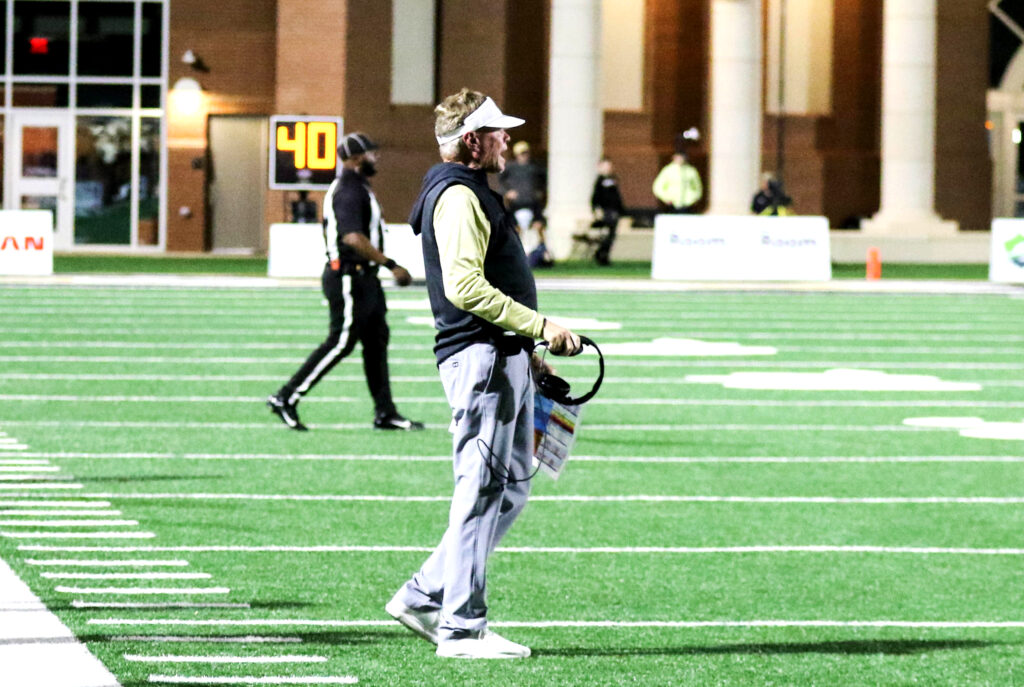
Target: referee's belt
(358, 268)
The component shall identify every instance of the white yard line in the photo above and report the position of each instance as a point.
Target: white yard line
(83, 563)
(77, 535)
(569, 498)
(149, 606)
(611, 624)
(36, 485)
(576, 459)
(574, 550)
(203, 639)
(183, 591)
(28, 468)
(164, 658)
(254, 680)
(68, 523)
(126, 576)
(702, 402)
(36, 649)
(63, 511)
(427, 361)
(55, 504)
(18, 461)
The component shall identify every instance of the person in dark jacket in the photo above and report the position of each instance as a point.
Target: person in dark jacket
(606, 202)
(770, 199)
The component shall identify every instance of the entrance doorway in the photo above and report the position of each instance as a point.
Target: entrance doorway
(237, 189)
(40, 170)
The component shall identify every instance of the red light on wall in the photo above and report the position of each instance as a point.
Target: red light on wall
(39, 46)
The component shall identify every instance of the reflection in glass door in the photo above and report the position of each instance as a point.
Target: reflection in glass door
(41, 168)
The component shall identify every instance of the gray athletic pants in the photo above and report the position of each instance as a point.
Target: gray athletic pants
(491, 396)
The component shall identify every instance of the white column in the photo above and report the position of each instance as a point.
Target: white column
(735, 104)
(908, 123)
(575, 120)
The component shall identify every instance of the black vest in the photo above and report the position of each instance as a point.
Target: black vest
(505, 264)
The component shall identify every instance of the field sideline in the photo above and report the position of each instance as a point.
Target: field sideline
(773, 487)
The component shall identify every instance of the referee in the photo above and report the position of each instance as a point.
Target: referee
(353, 232)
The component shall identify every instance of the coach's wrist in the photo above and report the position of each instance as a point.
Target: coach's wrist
(390, 264)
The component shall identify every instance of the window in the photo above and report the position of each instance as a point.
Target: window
(413, 51)
(152, 38)
(41, 37)
(103, 175)
(106, 38)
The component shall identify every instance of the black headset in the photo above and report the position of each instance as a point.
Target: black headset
(557, 389)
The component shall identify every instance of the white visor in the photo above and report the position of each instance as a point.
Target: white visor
(487, 115)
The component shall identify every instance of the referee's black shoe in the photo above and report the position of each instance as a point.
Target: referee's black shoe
(286, 411)
(395, 421)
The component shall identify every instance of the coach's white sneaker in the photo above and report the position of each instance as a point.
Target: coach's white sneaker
(487, 645)
(423, 623)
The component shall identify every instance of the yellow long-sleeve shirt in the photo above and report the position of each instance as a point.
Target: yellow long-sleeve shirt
(678, 185)
(462, 232)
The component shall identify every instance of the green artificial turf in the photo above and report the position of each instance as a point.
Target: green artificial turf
(152, 399)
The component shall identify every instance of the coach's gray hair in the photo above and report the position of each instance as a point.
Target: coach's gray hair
(450, 115)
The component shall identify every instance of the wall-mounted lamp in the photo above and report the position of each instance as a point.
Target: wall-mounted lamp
(194, 61)
(187, 96)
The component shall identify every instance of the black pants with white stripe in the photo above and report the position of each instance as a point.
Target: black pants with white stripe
(358, 311)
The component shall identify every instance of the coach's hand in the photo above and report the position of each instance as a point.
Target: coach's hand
(401, 275)
(560, 340)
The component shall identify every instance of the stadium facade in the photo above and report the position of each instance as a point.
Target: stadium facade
(144, 123)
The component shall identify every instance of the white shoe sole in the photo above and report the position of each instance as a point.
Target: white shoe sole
(404, 615)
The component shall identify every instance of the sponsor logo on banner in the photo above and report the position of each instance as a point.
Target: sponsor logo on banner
(741, 248)
(1015, 250)
(1006, 255)
(26, 245)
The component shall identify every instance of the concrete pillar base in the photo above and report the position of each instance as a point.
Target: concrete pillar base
(926, 225)
(561, 227)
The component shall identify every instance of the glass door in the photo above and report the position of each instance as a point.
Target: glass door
(41, 174)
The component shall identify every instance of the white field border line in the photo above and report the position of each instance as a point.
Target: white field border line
(612, 624)
(20, 461)
(580, 498)
(185, 639)
(254, 680)
(170, 604)
(576, 459)
(83, 563)
(164, 658)
(37, 643)
(126, 576)
(4, 477)
(595, 550)
(183, 591)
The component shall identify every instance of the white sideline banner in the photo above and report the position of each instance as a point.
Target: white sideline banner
(297, 250)
(1006, 263)
(741, 248)
(26, 242)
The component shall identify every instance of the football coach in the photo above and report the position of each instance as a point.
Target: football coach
(484, 301)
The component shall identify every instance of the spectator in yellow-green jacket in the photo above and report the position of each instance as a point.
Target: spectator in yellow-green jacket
(678, 186)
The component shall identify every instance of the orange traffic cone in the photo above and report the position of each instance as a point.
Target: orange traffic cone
(874, 264)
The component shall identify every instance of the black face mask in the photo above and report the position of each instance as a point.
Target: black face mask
(367, 168)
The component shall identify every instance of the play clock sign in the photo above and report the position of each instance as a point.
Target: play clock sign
(303, 152)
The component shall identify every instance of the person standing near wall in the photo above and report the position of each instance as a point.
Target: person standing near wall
(484, 301)
(522, 183)
(354, 236)
(678, 186)
(606, 202)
